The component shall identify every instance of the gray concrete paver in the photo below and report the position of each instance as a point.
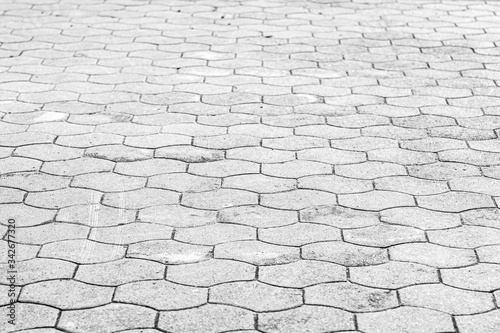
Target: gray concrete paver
(251, 166)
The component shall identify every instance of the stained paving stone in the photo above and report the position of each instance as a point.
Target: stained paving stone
(446, 299)
(406, 318)
(189, 154)
(351, 297)
(119, 153)
(169, 251)
(108, 318)
(339, 217)
(256, 296)
(66, 294)
(306, 318)
(161, 295)
(488, 217)
(119, 272)
(256, 252)
(210, 318)
(344, 253)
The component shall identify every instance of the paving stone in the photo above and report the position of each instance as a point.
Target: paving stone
(211, 272)
(183, 182)
(480, 277)
(370, 170)
(257, 216)
(259, 183)
(177, 216)
(62, 198)
(299, 234)
(77, 166)
(294, 143)
(160, 295)
(447, 299)
(302, 273)
(40, 269)
(260, 155)
(465, 236)
(215, 234)
(66, 294)
(119, 153)
(335, 184)
(345, 254)
(481, 185)
(455, 201)
(256, 252)
(433, 255)
(108, 182)
(331, 156)
(488, 217)
(486, 322)
(51, 232)
(108, 318)
(376, 200)
(409, 319)
(210, 318)
(351, 297)
(130, 233)
(95, 215)
(339, 217)
(48, 152)
(256, 296)
(119, 272)
(189, 154)
(296, 169)
(169, 251)
(443, 171)
(81, 251)
(223, 168)
(297, 199)
(305, 319)
(34, 315)
(24, 252)
(218, 199)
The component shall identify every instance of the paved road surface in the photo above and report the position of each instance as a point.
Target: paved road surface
(251, 166)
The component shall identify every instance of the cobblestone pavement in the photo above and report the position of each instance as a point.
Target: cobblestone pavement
(251, 166)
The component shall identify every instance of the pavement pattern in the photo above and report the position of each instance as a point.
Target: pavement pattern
(251, 166)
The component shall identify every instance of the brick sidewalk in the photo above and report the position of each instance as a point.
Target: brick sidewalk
(251, 166)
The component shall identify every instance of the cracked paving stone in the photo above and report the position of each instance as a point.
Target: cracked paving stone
(433, 255)
(211, 272)
(82, 251)
(177, 216)
(141, 198)
(339, 217)
(302, 273)
(257, 216)
(393, 275)
(108, 318)
(169, 252)
(119, 272)
(256, 296)
(66, 294)
(446, 299)
(299, 234)
(256, 252)
(161, 295)
(351, 297)
(210, 318)
(405, 319)
(345, 254)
